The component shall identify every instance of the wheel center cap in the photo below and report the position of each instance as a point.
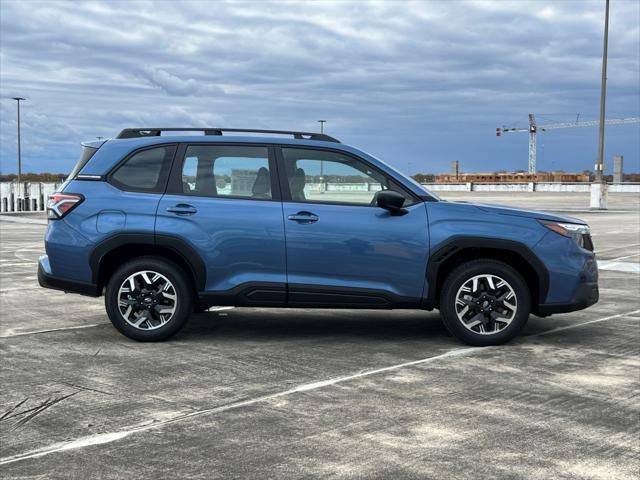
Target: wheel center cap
(147, 300)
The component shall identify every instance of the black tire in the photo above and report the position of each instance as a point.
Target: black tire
(465, 273)
(183, 303)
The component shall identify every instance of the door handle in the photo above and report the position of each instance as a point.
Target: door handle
(304, 218)
(182, 209)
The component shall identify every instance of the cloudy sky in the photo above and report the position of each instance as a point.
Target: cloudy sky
(417, 84)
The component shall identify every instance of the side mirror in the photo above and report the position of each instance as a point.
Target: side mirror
(392, 201)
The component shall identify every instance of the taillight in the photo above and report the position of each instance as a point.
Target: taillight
(60, 204)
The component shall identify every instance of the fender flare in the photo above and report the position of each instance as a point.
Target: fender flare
(457, 243)
(180, 247)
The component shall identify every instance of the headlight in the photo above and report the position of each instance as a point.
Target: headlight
(578, 231)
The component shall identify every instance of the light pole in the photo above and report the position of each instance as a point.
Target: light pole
(603, 95)
(599, 190)
(18, 99)
(322, 122)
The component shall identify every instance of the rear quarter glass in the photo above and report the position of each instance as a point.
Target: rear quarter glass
(85, 156)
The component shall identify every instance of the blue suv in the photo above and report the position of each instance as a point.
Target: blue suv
(167, 224)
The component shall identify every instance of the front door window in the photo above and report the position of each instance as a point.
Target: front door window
(322, 176)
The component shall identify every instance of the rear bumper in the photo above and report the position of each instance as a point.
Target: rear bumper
(585, 295)
(46, 280)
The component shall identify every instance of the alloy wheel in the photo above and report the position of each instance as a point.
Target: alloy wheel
(486, 304)
(147, 300)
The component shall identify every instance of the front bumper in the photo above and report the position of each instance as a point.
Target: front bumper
(47, 280)
(585, 295)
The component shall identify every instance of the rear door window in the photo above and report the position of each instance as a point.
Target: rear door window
(227, 171)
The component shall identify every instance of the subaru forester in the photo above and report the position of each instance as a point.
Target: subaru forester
(164, 222)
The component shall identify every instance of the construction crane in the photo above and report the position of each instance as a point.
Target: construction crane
(534, 128)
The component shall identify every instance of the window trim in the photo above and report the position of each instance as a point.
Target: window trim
(286, 192)
(174, 186)
(162, 182)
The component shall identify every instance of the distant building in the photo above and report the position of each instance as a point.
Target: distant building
(512, 177)
(618, 169)
(455, 168)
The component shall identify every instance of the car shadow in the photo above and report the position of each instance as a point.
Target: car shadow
(272, 324)
(267, 324)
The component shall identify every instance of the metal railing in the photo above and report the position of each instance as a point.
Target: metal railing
(26, 196)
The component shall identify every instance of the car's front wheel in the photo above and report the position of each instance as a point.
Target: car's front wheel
(149, 299)
(485, 302)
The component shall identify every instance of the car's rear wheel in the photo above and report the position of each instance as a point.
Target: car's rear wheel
(485, 302)
(149, 299)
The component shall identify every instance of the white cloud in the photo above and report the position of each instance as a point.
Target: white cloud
(424, 70)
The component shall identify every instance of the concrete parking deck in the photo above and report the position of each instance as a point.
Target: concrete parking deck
(257, 393)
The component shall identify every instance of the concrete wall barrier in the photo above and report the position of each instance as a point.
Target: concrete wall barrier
(624, 188)
(448, 187)
(342, 187)
(32, 196)
(507, 187)
(529, 187)
(563, 187)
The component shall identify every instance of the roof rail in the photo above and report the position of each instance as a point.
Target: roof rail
(156, 132)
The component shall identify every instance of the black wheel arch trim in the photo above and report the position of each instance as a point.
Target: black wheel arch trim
(175, 244)
(457, 243)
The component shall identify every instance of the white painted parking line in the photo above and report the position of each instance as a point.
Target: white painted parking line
(588, 322)
(74, 327)
(18, 289)
(598, 252)
(77, 327)
(626, 256)
(33, 221)
(627, 267)
(118, 435)
(113, 436)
